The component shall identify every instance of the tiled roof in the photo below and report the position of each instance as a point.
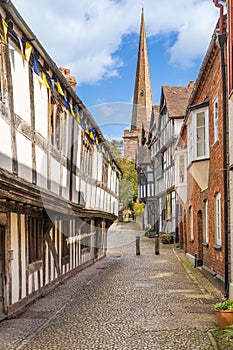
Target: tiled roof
(177, 98)
(143, 156)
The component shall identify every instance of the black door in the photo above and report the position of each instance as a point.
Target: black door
(200, 238)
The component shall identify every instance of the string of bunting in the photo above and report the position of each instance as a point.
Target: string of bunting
(26, 51)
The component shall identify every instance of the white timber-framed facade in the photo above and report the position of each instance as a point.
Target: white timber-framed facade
(163, 137)
(58, 180)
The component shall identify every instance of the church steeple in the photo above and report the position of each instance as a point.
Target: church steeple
(142, 107)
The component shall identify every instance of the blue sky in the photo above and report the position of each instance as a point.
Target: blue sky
(98, 41)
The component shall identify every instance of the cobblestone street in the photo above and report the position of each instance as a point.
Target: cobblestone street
(122, 302)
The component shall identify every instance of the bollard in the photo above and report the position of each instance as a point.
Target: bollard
(137, 245)
(156, 244)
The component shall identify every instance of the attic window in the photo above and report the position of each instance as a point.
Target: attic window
(142, 93)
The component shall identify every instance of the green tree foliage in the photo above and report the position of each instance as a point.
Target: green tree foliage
(138, 208)
(128, 187)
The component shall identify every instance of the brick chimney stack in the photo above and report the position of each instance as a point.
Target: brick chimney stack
(191, 84)
(71, 79)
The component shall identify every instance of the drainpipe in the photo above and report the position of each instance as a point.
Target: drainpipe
(221, 15)
(222, 40)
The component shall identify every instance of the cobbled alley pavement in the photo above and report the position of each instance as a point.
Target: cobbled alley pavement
(125, 301)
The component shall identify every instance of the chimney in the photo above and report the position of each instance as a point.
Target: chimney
(191, 84)
(71, 79)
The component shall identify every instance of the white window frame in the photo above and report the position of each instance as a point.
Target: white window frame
(177, 163)
(206, 222)
(218, 225)
(192, 135)
(215, 117)
(191, 223)
(180, 173)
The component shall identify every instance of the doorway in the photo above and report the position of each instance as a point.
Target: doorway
(200, 238)
(2, 272)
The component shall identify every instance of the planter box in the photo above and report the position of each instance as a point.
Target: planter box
(224, 317)
(151, 234)
(164, 240)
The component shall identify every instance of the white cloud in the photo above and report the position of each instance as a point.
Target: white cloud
(85, 35)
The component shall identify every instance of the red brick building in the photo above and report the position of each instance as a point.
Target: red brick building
(199, 170)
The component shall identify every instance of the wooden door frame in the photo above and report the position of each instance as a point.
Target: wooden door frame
(3, 307)
(200, 237)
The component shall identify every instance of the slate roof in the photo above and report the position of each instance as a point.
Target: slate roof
(177, 98)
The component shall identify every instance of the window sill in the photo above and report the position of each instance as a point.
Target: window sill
(205, 244)
(191, 240)
(217, 246)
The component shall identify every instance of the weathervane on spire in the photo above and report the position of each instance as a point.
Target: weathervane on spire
(142, 5)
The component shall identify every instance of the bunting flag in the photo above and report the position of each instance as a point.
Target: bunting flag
(72, 110)
(92, 133)
(28, 51)
(5, 29)
(35, 64)
(66, 102)
(59, 88)
(44, 78)
(78, 118)
(52, 83)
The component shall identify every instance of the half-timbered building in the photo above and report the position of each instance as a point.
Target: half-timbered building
(173, 104)
(58, 181)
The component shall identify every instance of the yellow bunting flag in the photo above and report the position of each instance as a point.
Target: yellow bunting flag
(71, 109)
(102, 149)
(59, 88)
(5, 29)
(78, 118)
(45, 80)
(28, 51)
(96, 140)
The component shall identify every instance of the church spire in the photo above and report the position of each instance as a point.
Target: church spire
(142, 91)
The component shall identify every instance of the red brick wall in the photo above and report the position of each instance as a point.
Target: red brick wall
(210, 86)
(131, 141)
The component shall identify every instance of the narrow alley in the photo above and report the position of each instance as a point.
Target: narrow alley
(121, 302)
